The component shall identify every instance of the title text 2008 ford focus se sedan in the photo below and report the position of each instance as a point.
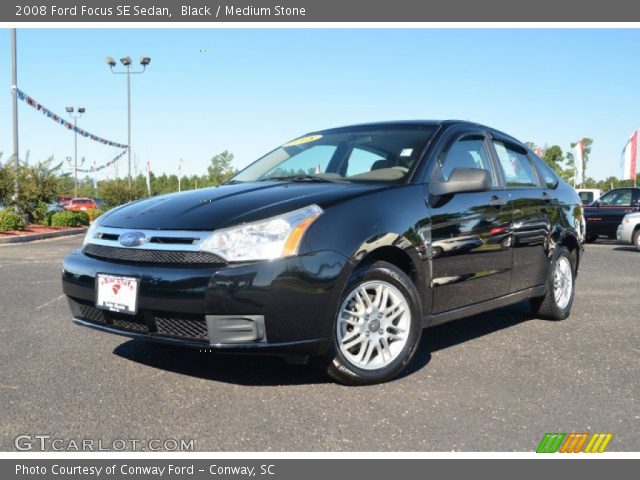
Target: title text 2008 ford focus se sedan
(341, 245)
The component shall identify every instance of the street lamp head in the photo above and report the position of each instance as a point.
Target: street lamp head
(69, 109)
(145, 61)
(110, 61)
(126, 61)
(81, 110)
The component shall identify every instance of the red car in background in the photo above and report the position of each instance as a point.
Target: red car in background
(81, 204)
(64, 201)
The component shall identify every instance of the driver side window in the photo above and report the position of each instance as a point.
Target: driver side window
(620, 198)
(468, 152)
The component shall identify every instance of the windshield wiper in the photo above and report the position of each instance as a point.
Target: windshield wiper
(303, 178)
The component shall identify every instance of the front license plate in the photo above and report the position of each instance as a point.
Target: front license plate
(118, 294)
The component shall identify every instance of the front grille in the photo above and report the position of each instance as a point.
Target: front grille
(165, 324)
(135, 255)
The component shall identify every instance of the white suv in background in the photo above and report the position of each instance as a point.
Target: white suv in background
(629, 229)
(589, 195)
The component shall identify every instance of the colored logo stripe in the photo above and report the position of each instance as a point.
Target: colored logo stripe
(573, 442)
(550, 443)
(598, 442)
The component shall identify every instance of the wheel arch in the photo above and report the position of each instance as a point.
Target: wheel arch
(569, 239)
(401, 252)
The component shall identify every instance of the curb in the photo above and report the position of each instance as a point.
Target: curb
(41, 236)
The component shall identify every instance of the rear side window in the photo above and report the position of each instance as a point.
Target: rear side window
(516, 168)
(547, 176)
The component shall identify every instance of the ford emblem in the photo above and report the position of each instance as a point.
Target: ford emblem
(132, 239)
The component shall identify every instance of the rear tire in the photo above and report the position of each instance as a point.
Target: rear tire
(591, 238)
(377, 328)
(561, 286)
(636, 239)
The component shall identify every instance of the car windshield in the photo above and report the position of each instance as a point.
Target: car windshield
(383, 155)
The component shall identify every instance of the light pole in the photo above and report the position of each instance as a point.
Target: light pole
(126, 61)
(75, 117)
(180, 175)
(14, 84)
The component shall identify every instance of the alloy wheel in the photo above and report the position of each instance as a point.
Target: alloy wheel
(562, 282)
(373, 325)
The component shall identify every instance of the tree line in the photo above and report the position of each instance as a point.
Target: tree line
(564, 164)
(43, 182)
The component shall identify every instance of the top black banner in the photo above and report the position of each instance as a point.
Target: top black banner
(316, 11)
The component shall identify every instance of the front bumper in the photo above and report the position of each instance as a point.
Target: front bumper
(285, 306)
(625, 232)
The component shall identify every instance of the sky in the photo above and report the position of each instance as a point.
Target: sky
(250, 90)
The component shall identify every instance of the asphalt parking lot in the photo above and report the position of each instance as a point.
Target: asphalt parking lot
(493, 382)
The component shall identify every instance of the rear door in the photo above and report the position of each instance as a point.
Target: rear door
(470, 232)
(531, 208)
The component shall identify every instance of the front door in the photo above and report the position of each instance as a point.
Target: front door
(470, 232)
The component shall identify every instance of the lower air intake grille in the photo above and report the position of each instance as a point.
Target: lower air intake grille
(165, 324)
(135, 255)
(194, 328)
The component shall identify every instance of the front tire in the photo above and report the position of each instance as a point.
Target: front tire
(561, 287)
(378, 326)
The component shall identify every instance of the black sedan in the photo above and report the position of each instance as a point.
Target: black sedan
(605, 214)
(341, 245)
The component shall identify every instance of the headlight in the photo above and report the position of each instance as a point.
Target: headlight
(90, 232)
(267, 239)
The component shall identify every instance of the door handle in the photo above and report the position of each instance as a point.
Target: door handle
(497, 201)
(546, 197)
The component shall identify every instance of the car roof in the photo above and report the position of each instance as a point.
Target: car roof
(415, 123)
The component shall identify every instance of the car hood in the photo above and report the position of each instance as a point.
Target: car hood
(219, 207)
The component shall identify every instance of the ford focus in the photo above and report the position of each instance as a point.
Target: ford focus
(341, 245)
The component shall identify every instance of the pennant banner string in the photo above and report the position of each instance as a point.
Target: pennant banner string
(60, 120)
(102, 167)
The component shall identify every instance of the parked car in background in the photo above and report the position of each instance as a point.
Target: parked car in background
(100, 203)
(589, 195)
(342, 244)
(64, 201)
(605, 214)
(81, 204)
(629, 230)
(55, 207)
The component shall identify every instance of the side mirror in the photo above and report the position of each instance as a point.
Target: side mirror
(462, 180)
